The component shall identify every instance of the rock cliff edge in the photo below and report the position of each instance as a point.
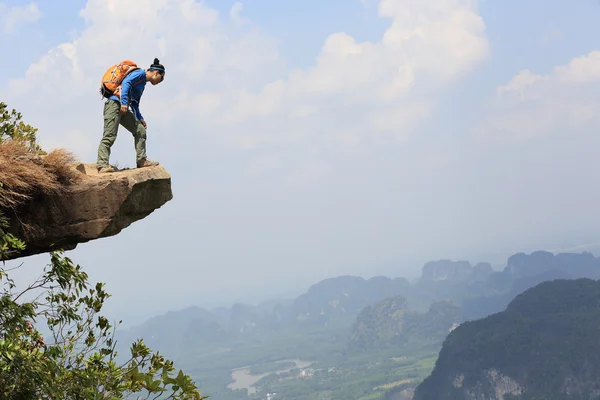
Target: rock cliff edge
(95, 207)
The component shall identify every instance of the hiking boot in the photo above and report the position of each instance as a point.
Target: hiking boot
(146, 163)
(102, 170)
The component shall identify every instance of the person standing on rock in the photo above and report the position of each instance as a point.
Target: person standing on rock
(117, 110)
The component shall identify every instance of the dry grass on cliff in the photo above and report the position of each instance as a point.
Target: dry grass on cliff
(24, 174)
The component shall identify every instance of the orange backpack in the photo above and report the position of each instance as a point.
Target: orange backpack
(112, 78)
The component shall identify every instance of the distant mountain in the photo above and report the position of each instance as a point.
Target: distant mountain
(449, 280)
(543, 346)
(342, 298)
(335, 303)
(175, 331)
(381, 323)
(390, 323)
(449, 271)
(244, 319)
(521, 273)
(576, 265)
(331, 303)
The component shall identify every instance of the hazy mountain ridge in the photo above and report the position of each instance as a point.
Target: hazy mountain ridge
(336, 302)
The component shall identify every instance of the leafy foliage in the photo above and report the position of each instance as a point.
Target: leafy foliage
(78, 359)
(9, 243)
(13, 128)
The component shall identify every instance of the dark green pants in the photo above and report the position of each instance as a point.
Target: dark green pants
(112, 119)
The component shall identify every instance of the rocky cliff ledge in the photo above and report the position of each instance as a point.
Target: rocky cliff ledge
(96, 206)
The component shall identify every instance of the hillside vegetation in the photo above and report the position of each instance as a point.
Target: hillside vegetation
(543, 346)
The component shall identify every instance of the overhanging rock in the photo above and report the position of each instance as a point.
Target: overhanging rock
(101, 205)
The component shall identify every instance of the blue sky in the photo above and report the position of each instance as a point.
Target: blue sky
(298, 152)
(535, 34)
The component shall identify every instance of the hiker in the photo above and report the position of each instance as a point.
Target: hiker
(128, 83)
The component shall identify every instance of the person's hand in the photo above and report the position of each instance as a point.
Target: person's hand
(144, 123)
(123, 109)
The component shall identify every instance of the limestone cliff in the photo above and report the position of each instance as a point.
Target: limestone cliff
(543, 346)
(96, 206)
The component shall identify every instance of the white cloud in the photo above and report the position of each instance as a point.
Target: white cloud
(11, 17)
(400, 118)
(560, 103)
(222, 73)
(581, 70)
(521, 83)
(428, 41)
(236, 13)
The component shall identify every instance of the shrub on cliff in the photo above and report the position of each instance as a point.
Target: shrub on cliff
(25, 169)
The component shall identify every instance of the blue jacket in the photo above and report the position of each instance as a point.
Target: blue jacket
(131, 91)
